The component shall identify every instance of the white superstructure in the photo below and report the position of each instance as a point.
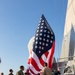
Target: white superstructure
(68, 44)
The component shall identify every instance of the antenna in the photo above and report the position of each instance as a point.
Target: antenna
(0, 60)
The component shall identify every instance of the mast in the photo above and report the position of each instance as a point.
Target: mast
(0, 60)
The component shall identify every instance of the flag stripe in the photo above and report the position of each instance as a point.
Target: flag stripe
(31, 72)
(29, 60)
(36, 58)
(41, 61)
(43, 57)
(33, 68)
(34, 63)
(51, 56)
(46, 54)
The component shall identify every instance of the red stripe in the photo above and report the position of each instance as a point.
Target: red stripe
(27, 71)
(31, 71)
(46, 54)
(51, 56)
(29, 60)
(33, 62)
(42, 61)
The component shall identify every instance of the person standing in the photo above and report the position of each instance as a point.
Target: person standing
(46, 70)
(20, 72)
(57, 72)
(2, 73)
(11, 72)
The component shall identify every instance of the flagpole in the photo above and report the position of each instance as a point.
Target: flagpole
(0, 60)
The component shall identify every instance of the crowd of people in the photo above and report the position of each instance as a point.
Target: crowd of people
(45, 71)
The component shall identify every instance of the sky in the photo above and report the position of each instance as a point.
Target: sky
(18, 22)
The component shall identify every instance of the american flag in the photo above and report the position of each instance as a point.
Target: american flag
(43, 47)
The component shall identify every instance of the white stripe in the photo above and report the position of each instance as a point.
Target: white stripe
(33, 69)
(50, 51)
(34, 56)
(49, 55)
(43, 57)
(30, 73)
(29, 69)
(53, 58)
